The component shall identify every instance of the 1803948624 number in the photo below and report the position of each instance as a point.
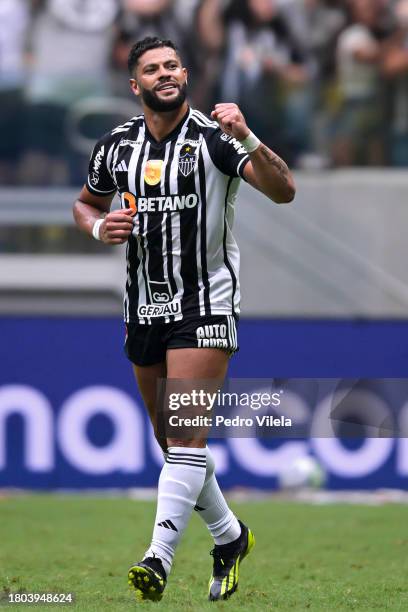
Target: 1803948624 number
(38, 598)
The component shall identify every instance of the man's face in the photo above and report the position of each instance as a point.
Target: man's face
(160, 80)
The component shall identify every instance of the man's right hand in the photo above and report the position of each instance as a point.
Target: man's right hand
(117, 226)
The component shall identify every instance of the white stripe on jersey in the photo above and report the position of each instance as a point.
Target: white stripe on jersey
(201, 123)
(140, 280)
(132, 174)
(124, 127)
(109, 159)
(142, 169)
(114, 164)
(198, 244)
(129, 282)
(221, 284)
(136, 229)
(163, 174)
(164, 220)
(232, 247)
(145, 224)
(175, 217)
(118, 131)
(200, 117)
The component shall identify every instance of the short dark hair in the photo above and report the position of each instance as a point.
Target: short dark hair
(150, 42)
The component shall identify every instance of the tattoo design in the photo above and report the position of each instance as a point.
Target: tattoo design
(276, 162)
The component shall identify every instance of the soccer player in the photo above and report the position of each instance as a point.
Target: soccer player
(177, 172)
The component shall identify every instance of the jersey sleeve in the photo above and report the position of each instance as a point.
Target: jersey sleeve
(227, 153)
(100, 181)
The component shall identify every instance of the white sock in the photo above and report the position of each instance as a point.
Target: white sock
(181, 480)
(213, 509)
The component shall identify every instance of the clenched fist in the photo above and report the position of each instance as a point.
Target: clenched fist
(231, 120)
(117, 226)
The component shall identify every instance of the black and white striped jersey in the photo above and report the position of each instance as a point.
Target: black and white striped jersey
(182, 259)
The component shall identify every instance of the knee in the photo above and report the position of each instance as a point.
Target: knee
(210, 464)
(162, 443)
(186, 443)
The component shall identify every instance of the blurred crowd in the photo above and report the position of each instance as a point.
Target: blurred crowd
(323, 82)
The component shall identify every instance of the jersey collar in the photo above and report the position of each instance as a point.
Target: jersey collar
(172, 135)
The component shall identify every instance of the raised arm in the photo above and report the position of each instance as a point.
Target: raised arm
(265, 171)
(113, 228)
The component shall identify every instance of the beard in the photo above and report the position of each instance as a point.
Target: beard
(151, 99)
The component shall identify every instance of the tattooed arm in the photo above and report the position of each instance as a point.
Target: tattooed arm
(268, 173)
(265, 171)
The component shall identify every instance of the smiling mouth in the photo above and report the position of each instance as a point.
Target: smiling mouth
(167, 87)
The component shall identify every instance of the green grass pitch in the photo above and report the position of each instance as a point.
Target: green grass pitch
(336, 557)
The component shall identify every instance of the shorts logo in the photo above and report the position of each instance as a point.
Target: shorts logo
(160, 310)
(212, 336)
(187, 159)
(153, 171)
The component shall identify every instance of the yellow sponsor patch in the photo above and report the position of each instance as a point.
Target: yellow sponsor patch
(153, 171)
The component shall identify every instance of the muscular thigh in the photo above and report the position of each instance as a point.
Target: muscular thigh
(190, 363)
(195, 364)
(146, 348)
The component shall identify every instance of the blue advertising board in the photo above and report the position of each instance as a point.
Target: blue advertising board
(71, 415)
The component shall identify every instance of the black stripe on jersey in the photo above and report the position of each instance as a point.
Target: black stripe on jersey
(131, 282)
(133, 254)
(119, 167)
(142, 221)
(224, 242)
(203, 235)
(143, 229)
(154, 244)
(132, 286)
(168, 224)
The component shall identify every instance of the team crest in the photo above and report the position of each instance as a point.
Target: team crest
(153, 171)
(187, 159)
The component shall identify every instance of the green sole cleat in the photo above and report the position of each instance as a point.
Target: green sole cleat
(147, 579)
